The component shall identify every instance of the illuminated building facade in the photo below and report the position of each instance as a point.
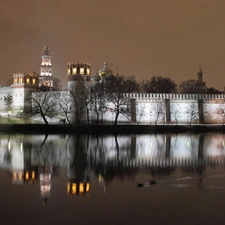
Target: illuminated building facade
(146, 108)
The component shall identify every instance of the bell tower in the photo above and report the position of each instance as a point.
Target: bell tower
(45, 78)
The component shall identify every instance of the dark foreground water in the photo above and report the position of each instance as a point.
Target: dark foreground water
(53, 179)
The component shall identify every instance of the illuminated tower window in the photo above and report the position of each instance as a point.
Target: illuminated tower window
(74, 70)
(82, 71)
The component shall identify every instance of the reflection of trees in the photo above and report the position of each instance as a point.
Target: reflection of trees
(194, 143)
(168, 145)
(116, 167)
(48, 152)
(160, 140)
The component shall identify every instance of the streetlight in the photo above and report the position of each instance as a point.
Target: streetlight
(9, 116)
(187, 118)
(21, 111)
(150, 117)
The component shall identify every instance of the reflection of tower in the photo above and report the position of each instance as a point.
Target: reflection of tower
(78, 168)
(46, 78)
(45, 183)
(22, 171)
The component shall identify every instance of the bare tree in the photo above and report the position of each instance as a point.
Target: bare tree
(192, 113)
(75, 106)
(176, 113)
(97, 100)
(80, 100)
(221, 110)
(63, 100)
(8, 100)
(193, 87)
(159, 85)
(159, 109)
(57, 86)
(85, 96)
(116, 88)
(132, 85)
(140, 113)
(9, 81)
(43, 104)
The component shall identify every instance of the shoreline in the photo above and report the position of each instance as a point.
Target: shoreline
(108, 129)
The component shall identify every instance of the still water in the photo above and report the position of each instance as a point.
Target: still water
(72, 179)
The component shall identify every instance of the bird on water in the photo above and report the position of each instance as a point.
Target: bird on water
(147, 184)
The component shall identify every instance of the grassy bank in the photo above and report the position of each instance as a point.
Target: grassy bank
(107, 129)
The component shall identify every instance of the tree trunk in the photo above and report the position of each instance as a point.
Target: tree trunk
(117, 150)
(42, 115)
(97, 113)
(87, 112)
(67, 118)
(116, 118)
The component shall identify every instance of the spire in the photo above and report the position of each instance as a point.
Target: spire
(46, 47)
(199, 70)
(200, 73)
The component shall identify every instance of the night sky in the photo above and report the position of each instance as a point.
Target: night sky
(145, 38)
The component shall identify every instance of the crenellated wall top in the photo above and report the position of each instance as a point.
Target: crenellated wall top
(174, 96)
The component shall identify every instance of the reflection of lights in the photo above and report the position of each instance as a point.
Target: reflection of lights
(78, 188)
(223, 143)
(33, 175)
(100, 178)
(45, 188)
(9, 146)
(17, 177)
(188, 144)
(21, 146)
(81, 188)
(74, 188)
(87, 187)
(27, 176)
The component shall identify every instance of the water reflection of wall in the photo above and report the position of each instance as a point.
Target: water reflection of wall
(105, 156)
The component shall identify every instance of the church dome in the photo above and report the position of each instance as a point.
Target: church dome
(109, 76)
(96, 77)
(105, 70)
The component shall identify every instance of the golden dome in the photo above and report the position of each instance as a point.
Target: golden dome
(105, 70)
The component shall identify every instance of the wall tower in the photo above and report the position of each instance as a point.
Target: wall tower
(79, 77)
(23, 85)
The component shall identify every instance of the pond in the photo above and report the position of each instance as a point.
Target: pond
(83, 179)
